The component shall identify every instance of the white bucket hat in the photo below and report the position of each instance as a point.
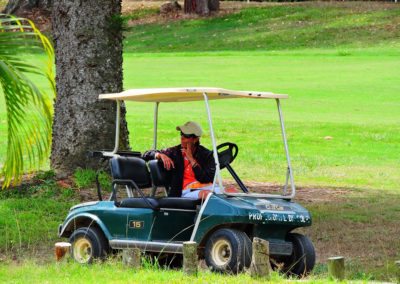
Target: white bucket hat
(190, 127)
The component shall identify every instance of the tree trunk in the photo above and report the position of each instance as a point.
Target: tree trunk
(213, 5)
(189, 6)
(200, 7)
(88, 47)
(16, 7)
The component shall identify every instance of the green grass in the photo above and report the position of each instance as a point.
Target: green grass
(84, 178)
(115, 272)
(29, 216)
(275, 27)
(353, 99)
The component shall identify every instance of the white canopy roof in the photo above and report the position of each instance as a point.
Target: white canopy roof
(186, 94)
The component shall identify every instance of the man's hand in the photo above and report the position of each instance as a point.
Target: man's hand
(189, 150)
(168, 163)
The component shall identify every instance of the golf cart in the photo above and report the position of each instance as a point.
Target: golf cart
(222, 225)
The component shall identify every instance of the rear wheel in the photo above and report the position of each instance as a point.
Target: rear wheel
(88, 244)
(302, 260)
(228, 250)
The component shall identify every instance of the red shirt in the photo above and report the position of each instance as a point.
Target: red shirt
(188, 174)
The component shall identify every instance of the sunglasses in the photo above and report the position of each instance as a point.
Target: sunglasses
(188, 135)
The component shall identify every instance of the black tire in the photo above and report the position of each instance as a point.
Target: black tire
(228, 251)
(88, 244)
(302, 260)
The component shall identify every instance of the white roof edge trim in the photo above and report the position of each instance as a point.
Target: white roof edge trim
(186, 94)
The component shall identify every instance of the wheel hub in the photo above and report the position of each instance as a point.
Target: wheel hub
(221, 252)
(82, 250)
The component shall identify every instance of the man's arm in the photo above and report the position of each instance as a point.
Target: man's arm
(204, 168)
(163, 155)
(149, 155)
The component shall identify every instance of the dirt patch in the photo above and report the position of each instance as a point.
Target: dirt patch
(303, 194)
(370, 244)
(229, 7)
(42, 18)
(226, 7)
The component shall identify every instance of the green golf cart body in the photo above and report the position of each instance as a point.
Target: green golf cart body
(223, 225)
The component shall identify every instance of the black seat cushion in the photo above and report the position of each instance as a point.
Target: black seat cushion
(133, 202)
(130, 168)
(178, 203)
(158, 173)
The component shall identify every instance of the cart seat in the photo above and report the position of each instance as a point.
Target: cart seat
(130, 168)
(158, 173)
(178, 203)
(167, 203)
(139, 202)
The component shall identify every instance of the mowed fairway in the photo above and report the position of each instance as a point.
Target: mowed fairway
(342, 116)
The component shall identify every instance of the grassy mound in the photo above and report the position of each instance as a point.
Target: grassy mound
(273, 27)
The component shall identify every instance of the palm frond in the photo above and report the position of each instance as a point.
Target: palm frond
(29, 109)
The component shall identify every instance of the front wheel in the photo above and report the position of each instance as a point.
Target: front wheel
(302, 260)
(228, 251)
(88, 244)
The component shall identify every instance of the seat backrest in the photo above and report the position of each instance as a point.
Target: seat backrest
(158, 173)
(130, 168)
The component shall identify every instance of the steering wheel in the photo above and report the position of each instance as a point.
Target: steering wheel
(226, 156)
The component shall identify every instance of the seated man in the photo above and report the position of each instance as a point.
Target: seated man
(192, 166)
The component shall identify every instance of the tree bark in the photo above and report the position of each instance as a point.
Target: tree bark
(200, 7)
(16, 7)
(213, 5)
(88, 47)
(189, 6)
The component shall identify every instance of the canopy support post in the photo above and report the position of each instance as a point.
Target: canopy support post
(217, 167)
(117, 127)
(289, 166)
(155, 125)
